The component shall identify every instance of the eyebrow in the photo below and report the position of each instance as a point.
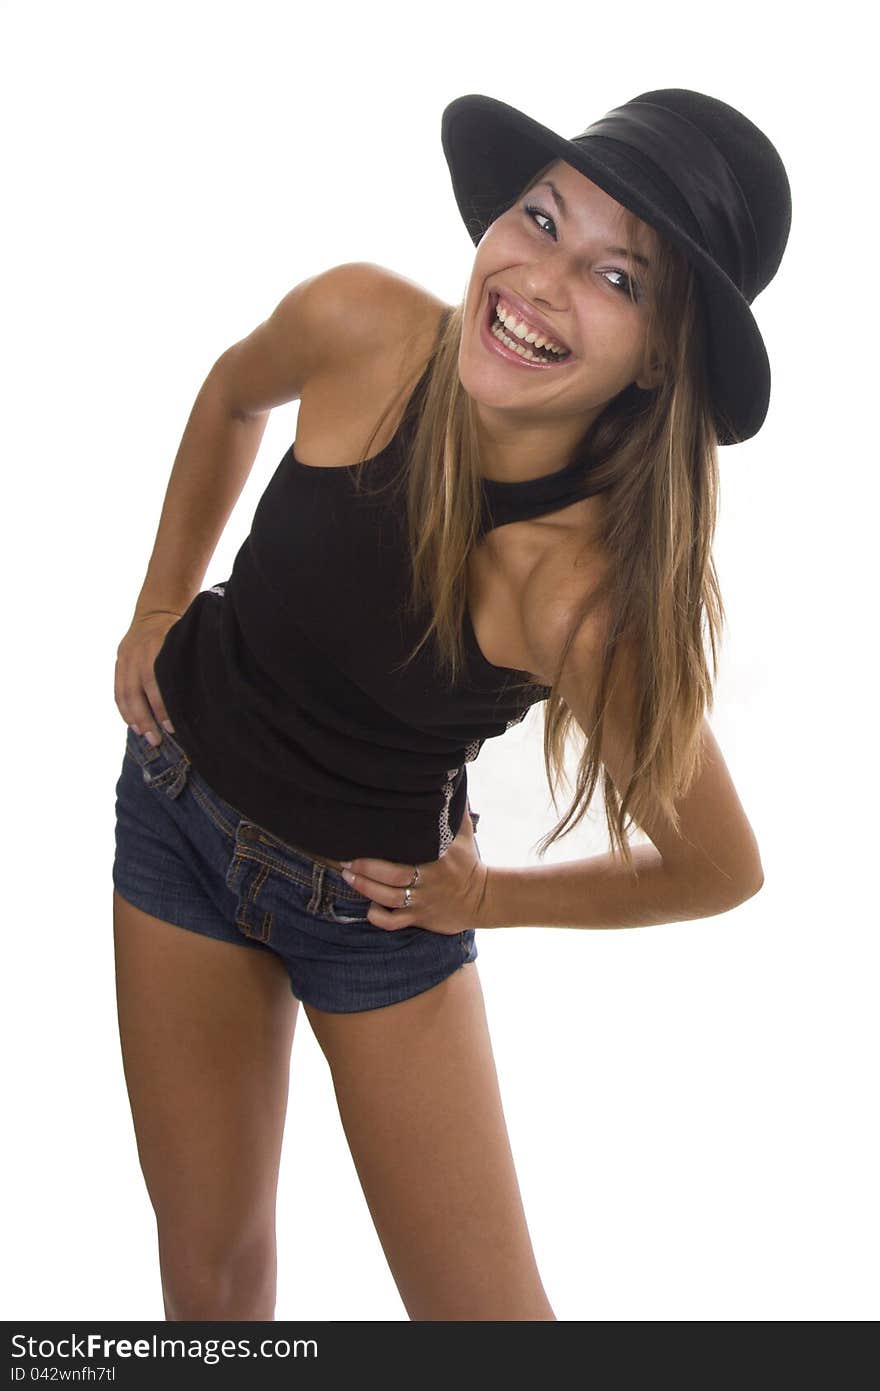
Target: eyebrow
(563, 208)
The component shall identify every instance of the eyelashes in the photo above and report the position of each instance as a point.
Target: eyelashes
(532, 211)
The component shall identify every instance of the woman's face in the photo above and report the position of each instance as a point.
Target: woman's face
(555, 263)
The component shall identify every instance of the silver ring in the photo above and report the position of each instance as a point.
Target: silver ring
(407, 894)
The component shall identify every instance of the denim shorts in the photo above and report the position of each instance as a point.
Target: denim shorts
(185, 855)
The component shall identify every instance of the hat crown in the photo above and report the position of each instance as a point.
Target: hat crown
(754, 162)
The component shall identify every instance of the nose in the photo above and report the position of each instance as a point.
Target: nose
(545, 284)
(550, 299)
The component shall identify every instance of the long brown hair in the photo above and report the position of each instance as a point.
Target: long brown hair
(656, 459)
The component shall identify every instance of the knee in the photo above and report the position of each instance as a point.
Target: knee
(228, 1281)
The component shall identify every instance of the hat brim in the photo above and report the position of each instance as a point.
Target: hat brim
(493, 151)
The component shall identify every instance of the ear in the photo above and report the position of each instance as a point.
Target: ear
(651, 376)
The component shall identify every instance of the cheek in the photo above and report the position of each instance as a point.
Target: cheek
(501, 247)
(614, 343)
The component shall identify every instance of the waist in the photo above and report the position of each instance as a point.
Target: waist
(310, 855)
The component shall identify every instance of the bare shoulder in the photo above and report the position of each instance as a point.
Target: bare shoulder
(385, 328)
(328, 323)
(366, 307)
(384, 319)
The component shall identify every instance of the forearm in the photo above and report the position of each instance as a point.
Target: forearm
(215, 457)
(602, 892)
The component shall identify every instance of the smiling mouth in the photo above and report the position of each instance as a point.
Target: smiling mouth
(542, 357)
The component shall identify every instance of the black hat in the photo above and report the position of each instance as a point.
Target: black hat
(689, 165)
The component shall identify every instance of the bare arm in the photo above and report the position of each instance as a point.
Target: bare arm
(600, 892)
(212, 465)
(222, 436)
(713, 866)
(331, 318)
(326, 322)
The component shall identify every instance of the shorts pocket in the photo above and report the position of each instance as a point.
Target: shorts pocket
(340, 909)
(354, 931)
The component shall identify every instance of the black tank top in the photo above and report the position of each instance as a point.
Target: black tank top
(282, 682)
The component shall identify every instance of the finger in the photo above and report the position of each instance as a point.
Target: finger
(388, 895)
(144, 723)
(136, 711)
(154, 695)
(383, 871)
(137, 693)
(388, 919)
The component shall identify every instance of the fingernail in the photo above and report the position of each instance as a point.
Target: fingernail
(167, 725)
(151, 738)
(347, 863)
(134, 729)
(348, 876)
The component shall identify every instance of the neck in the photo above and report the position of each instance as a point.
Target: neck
(514, 451)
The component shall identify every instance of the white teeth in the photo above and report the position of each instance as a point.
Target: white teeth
(521, 329)
(498, 332)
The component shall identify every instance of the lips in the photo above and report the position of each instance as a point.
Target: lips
(528, 314)
(496, 348)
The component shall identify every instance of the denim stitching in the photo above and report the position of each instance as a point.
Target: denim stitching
(334, 895)
(314, 903)
(145, 754)
(264, 931)
(170, 780)
(296, 876)
(208, 806)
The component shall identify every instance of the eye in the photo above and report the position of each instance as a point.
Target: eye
(629, 284)
(532, 211)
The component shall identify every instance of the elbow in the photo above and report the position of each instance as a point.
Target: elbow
(756, 878)
(749, 885)
(748, 874)
(755, 883)
(731, 891)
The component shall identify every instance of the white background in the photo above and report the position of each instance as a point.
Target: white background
(691, 1107)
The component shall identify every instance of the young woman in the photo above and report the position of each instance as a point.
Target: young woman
(487, 505)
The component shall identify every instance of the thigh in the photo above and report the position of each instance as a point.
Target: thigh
(206, 1031)
(420, 1105)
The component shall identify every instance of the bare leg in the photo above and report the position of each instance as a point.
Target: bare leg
(420, 1105)
(206, 1030)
